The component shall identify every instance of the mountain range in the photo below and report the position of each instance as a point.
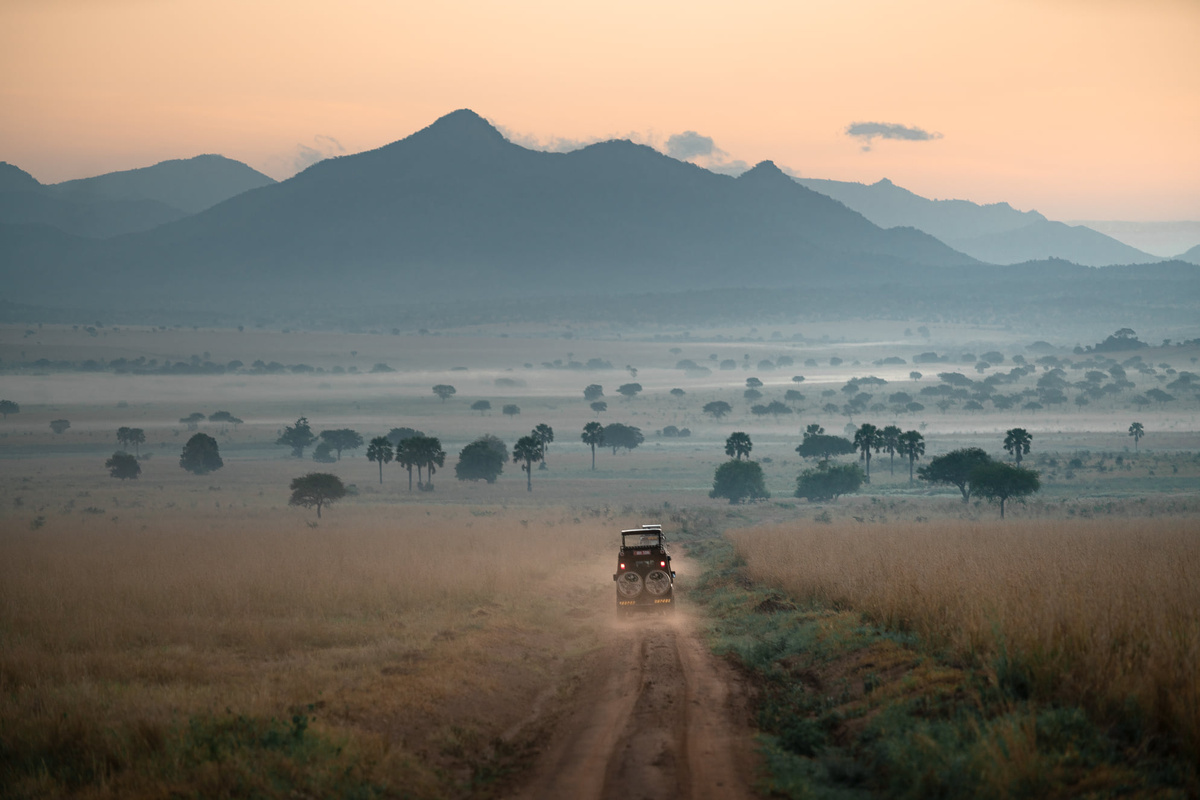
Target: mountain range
(457, 213)
(124, 202)
(456, 210)
(995, 233)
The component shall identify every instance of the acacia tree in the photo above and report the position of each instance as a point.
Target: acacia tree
(739, 481)
(599, 406)
(955, 468)
(912, 447)
(193, 420)
(200, 455)
(316, 489)
(889, 442)
(59, 425)
(342, 439)
(1137, 431)
(380, 450)
(297, 437)
(224, 416)
(629, 390)
(481, 406)
(866, 439)
(444, 390)
(999, 482)
(620, 435)
(479, 461)
(131, 436)
(1016, 442)
(828, 481)
(593, 391)
(818, 444)
(123, 465)
(593, 434)
(738, 444)
(718, 408)
(9, 407)
(528, 449)
(511, 410)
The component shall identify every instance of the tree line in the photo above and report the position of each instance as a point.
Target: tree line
(971, 469)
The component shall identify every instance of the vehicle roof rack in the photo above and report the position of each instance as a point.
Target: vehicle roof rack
(653, 527)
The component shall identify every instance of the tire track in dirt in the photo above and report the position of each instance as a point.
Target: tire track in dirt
(655, 716)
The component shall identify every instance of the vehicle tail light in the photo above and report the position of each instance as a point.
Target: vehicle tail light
(662, 563)
(622, 566)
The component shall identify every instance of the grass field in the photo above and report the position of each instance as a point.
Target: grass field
(412, 642)
(1098, 613)
(195, 634)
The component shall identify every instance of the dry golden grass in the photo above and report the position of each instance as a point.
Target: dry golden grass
(1102, 613)
(395, 624)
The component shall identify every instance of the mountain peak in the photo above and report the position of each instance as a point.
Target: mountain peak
(465, 123)
(764, 172)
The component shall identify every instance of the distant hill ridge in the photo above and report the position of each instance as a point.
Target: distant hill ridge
(124, 202)
(996, 233)
(188, 184)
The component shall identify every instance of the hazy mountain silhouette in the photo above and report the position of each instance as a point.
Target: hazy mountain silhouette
(190, 185)
(124, 202)
(1191, 256)
(996, 233)
(455, 210)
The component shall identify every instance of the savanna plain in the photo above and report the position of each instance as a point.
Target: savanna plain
(195, 635)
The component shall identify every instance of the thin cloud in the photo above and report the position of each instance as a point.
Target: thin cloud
(702, 151)
(689, 144)
(868, 132)
(323, 147)
(562, 144)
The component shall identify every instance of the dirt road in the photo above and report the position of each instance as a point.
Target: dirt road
(655, 716)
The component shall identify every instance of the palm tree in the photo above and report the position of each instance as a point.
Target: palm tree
(912, 447)
(529, 450)
(889, 442)
(430, 455)
(593, 434)
(866, 439)
(1137, 431)
(544, 434)
(738, 444)
(407, 455)
(1016, 442)
(380, 449)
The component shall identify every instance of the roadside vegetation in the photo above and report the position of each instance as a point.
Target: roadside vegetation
(975, 659)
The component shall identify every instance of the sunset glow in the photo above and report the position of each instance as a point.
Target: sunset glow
(1081, 110)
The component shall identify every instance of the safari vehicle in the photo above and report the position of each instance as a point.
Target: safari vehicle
(645, 580)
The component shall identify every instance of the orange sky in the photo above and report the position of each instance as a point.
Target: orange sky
(1082, 109)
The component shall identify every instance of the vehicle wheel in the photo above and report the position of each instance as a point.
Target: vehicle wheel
(629, 585)
(658, 582)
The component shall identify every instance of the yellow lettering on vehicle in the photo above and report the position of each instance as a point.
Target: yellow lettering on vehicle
(626, 603)
(663, 601)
